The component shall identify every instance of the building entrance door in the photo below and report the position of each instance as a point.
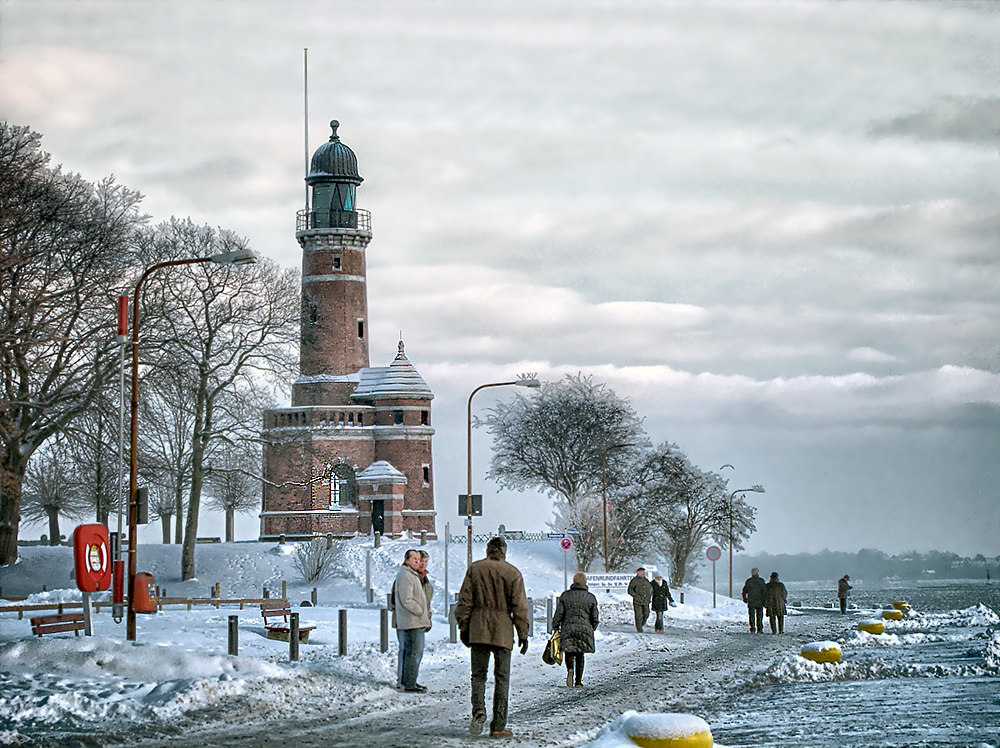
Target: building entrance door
(378, 516)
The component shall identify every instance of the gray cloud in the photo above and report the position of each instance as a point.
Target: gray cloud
(967, 119)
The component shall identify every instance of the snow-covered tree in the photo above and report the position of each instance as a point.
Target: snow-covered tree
(65, 248)
(51, 489)
(233, 484)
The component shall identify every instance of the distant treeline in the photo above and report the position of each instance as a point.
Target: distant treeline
(867, 563)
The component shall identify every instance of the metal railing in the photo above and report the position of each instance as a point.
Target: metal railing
(306, 220)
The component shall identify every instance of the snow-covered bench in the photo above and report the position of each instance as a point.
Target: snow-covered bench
(54, 624)
(282, 631)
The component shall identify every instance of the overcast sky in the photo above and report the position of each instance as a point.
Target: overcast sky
(773, 226)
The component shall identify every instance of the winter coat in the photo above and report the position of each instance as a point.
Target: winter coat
(754, 592)
(661, 595)
(842, 587)
(492, 603)
(776, 598)
(575, 619)
(412, 609)
(428, 592)
(641, 590)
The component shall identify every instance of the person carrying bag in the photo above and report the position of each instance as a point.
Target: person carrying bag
(576, 620)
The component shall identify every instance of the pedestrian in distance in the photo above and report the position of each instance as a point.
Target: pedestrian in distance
(661, 599)
(491, 607)
(754, 590)
(576, 619)
(843, 587)
(413, 619)
(642, 595)
(775, 602)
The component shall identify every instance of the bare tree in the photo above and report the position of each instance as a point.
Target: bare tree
(233, 483)
(554, 441)
(162, 506)
(91, 442)
(65, 246)
(50, 490)
(231, 330)
(317, 559)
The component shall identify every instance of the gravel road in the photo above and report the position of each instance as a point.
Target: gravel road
(683, 670)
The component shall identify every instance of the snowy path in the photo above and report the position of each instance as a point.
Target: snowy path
(682, 670)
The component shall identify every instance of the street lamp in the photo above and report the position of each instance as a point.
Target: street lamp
(755, 489)
(526, 380)
(238, 257)
(604, 487)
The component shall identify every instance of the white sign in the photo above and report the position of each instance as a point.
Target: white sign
(714, 553)
(608, 580)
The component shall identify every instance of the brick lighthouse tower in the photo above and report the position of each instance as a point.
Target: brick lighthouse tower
(352, 454)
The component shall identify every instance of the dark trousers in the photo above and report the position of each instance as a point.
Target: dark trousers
(413, 652)
(777, 624)
(641, 615)
(756, 619)
(843, 605)
(658, 624)
(574, 665)
(501, 682)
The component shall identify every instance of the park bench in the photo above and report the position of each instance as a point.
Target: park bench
(281, 631)
(54, 624)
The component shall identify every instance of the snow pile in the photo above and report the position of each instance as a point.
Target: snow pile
(977, 615)
(864, 639)
(616, 734)
(991, 656)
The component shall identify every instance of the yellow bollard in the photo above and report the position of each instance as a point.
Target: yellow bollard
(892, 615)
(821, 652)
(871, 626)
(667, 730)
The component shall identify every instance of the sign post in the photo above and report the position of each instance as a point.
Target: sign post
(567, 545)
(714, 553)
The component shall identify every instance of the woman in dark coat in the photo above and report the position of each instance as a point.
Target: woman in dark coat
(576, 619)
(661, 599)
(775, 597)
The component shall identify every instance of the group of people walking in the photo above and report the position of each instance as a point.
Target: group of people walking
(646, 594)
(770, 596)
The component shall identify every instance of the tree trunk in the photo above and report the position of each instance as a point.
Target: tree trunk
(165, 527)
(11, 485)
(230, 524)
(179, 513)
(54, 537)
(202, 423)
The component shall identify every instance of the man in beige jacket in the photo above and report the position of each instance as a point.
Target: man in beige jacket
(413, 618)
(491, 605)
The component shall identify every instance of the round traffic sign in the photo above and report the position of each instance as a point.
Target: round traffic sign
(566, 543)
(714, 553)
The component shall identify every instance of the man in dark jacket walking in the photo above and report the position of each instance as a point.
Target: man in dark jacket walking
(491, 605)
(576, 619)
(661, 599)
(642, 594)
(843, 587)
(754, 592)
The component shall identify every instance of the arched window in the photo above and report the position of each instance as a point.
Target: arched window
(343, 486)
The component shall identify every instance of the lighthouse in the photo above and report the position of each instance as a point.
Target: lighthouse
(352, 454)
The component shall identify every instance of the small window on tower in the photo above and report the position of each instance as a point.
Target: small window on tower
(425, 418)
(336, 262)
(427, 475)
(398, 417)
(361, 329)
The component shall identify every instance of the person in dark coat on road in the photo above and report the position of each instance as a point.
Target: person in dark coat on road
(753, 595)
(661, 599)
(843, 586)
(642, 594)
(491, 608)
(576, 620)
(774, 601)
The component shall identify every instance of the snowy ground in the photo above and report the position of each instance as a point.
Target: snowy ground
(176, 685)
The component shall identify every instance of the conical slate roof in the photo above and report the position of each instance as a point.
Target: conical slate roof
(399, 379)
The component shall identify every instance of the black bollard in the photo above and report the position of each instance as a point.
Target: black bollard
(452, 625)
(234, 635)
(314, 597)
(265, 593)
(548, 615)
(682, 598)
(383, 630)
(342, 632)
(293, 637)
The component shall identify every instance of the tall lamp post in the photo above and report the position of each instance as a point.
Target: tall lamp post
(238, 257)
(755, 489)
(528, 380)
(604, 487)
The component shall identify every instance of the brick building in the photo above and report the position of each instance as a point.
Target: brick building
(353, 452)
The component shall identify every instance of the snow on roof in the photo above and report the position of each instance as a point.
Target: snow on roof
(398, 379)
(380, 471)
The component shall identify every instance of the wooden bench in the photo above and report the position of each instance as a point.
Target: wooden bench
(54, 624)
(281, 631)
